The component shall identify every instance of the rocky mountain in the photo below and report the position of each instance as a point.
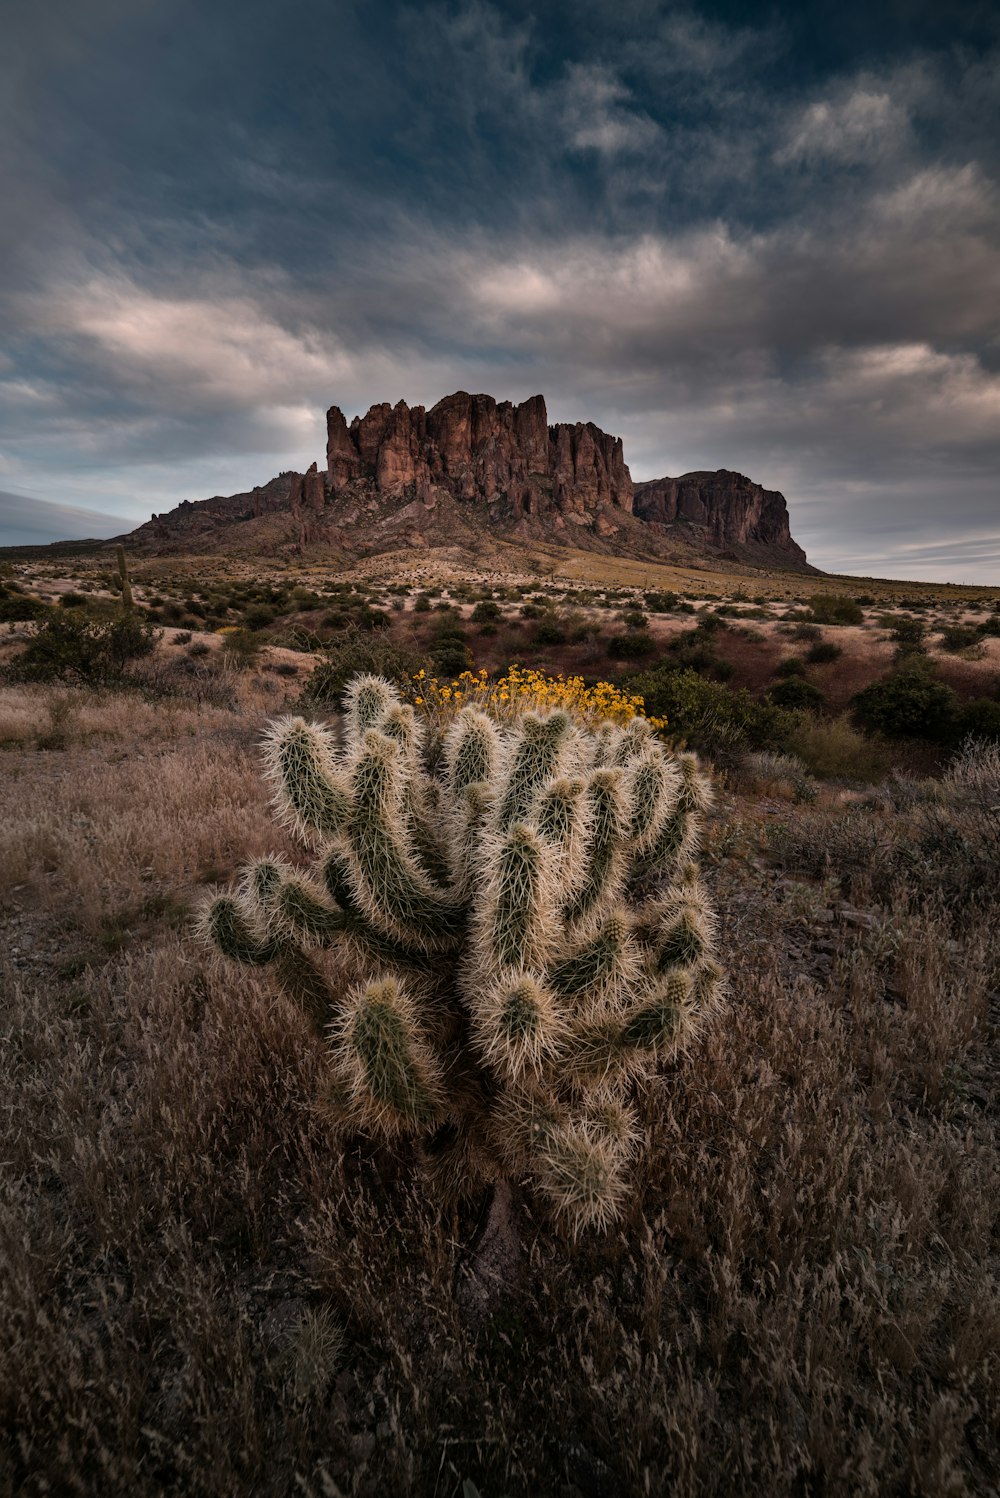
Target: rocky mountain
(471, 471)
(724, 511)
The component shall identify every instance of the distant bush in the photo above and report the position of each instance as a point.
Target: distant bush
(823, 651)
(792, 665)
(182, 637)
(959, 637)
(19, 608)
(835, 747)
(633, 619)
(795, 692)
(635, 645)
(660, 603)
(450, 655)
(259, 617)
(242, 647)
(421, 604)
(911, 703)
(806, 631)
(709, 715)
(355, 654)
(980, 719)
(833, 608)
(367, 618)
(73, 600)
(550, 631)
(486, 612)
(65, 646)
(909, 633)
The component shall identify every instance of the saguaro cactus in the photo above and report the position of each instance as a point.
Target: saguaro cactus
(126, 586)
(525, 923)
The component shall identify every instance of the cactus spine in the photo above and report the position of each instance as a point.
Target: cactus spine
(526, 926)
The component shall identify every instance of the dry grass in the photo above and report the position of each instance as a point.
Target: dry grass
(201, 1292)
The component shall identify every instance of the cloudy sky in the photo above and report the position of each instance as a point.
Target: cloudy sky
(762, 239)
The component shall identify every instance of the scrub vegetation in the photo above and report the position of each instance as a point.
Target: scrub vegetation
(211, 1283)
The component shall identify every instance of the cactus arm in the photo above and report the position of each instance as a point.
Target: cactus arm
(388, 882)
(580, 1169)
(309, 792)
(515, 926)
(367, 701)
(227, 927)
(370, 941)
(654, 785)
(517, 1025)
(394, 1079)
(603, 857)
(535, 759)
(600, 970)
(471, 752)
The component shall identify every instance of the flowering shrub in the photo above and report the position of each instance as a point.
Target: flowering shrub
(521, 690)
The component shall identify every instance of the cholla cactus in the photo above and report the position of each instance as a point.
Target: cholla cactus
(525, 920)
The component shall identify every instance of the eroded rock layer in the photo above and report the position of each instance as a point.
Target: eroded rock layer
(472, 470)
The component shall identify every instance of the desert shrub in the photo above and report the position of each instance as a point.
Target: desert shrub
(450, 657)
(353, 654)
(259, 617)
(834, 608)
(908, 633)
(182, 637)
(834, 747)
(990, 626)
(199, 648)
(822, 652)
(486, 612)
(909, 703)
(792, 665)
(73, 600)
(958, 637)
(20, 608)
(421, 604)
(66, 646)
(368, 618)
(633, 619)
(449, 653)
(532, 611)
(803, 630)
(634, 645)
(979, 719)
(783, 774)
(550, 631)
(241, 647)
(709, 715)
(516, 973)
(797, 693)
(696, 649)
(660, 603)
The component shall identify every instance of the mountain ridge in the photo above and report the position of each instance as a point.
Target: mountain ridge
(472, 471)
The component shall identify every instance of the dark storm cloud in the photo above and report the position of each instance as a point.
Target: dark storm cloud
(734, 245)
(25, 521)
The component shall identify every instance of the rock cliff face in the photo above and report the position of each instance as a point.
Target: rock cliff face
(478, 448)
(472, 470)
(726, 510)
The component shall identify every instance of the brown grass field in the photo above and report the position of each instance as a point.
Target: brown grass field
(201, 1292)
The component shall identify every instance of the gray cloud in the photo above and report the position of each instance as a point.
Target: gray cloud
(25, 521)
(802, 282)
